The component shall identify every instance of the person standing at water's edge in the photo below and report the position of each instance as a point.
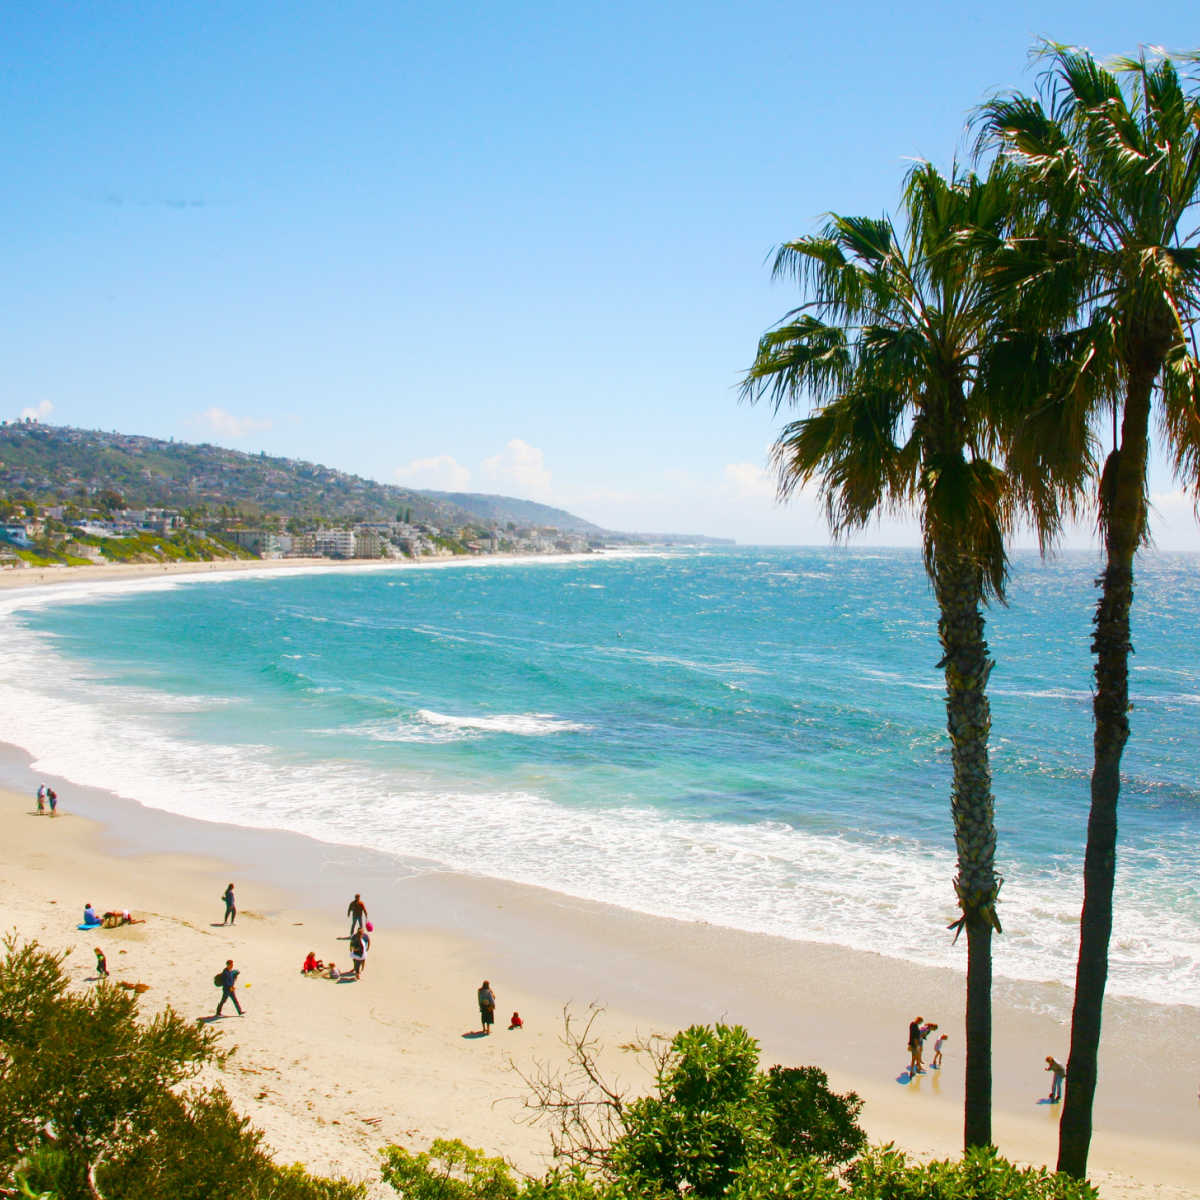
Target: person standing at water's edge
(228, 983)
(41, 798)
(230, 906)
(356, 910)
(52, 798)
(487, 1006)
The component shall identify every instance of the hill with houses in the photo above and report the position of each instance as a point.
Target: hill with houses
(87, 495)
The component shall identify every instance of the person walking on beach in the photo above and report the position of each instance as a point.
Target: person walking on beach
(487, 1006)
(228, 981)
(101, 964)
(1059, 1073)
(52, 798)
(230, 906)
(41, 799)
(357, 912)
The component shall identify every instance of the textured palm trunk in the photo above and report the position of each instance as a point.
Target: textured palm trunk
(968, 717)
(1125, 510)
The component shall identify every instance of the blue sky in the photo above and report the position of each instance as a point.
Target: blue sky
(515, 248)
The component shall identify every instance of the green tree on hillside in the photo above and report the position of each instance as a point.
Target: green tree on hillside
(1110, 272)
(895, 345)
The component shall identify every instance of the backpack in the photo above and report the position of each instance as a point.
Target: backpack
(219, 979)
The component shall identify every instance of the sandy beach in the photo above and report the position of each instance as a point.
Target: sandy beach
(332, 1071)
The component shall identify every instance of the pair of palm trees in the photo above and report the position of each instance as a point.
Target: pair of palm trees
(966, 366)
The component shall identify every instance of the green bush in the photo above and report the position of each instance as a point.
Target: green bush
(449, 1170)
(886, 1174)
(716, 1116)
(93, 1100)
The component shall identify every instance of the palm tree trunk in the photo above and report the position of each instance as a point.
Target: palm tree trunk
(1123, 509)
(957, 582)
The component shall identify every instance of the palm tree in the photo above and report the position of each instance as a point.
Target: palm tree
(1111, 272)
(892, 346)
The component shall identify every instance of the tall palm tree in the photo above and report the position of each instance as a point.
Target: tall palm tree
(1111, 158)
(891, 346)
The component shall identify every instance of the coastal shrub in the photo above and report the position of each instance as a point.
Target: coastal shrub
(717, 1116)
(95, 1101)
(448, 1170)
(981, 1174)
(810, 1120)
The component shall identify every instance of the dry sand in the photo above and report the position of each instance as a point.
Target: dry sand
(333, 1071)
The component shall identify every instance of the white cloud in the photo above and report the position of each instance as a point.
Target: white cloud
(749, 482)
(439, 474)
(40, 413)
(225, 424)
(1173, 521)
(519, 466)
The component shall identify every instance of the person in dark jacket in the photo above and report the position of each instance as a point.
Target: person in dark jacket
(228, 978)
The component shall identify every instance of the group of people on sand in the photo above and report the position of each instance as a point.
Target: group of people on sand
(919, 1029)
(47, 797)
(360, 942)
(110, 919)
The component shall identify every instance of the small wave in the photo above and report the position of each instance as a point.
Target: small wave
(525, 724)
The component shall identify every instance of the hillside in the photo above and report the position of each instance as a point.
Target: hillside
(58, 465)
(503, 509)
(49, 464)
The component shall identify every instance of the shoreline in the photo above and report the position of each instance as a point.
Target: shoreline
(543, 951)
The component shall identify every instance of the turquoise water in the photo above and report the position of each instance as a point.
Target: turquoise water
(748, 737)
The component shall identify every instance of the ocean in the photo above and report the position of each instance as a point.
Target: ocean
(749, 737)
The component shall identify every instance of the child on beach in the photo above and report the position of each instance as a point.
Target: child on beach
(515, 1022)
(41, 799)
(333, 972)
(52, 797)
(312, 964)
(937, 1050)
(101, 964)
(1059, 1073)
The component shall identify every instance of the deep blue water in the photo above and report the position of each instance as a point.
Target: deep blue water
(750, 737)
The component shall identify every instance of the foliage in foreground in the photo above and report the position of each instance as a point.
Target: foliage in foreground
(451, 1170)
(714, 1126)
(95, 1103)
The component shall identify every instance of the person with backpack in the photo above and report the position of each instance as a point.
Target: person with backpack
(226, 980)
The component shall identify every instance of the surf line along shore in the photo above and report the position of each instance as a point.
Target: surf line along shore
(332, 1072)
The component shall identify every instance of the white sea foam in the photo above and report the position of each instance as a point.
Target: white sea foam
(525, 724)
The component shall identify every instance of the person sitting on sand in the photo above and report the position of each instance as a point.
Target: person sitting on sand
(312, 964)
(89, 915)
(101, 963)
(515, 1022)
(333, 972)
